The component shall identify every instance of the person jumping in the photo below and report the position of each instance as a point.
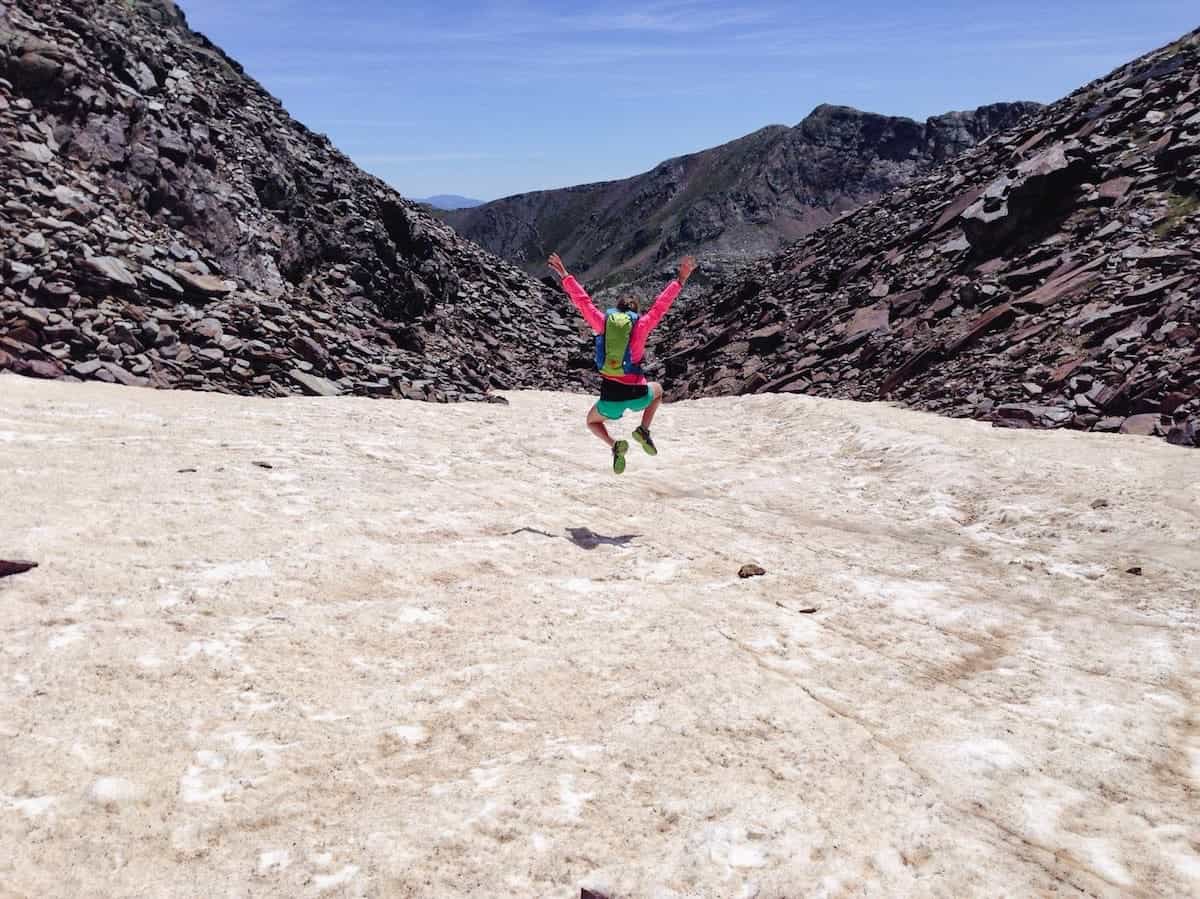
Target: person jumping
(620, 345)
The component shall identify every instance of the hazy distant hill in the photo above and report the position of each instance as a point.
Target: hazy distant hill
(450, 201)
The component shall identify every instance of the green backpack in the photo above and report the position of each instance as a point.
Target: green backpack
(614, 345)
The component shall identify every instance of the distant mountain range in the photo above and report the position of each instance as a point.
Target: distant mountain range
(449, 201)
(738, 201)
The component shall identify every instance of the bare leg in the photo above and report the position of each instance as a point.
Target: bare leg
(648, 414)
(595, 423)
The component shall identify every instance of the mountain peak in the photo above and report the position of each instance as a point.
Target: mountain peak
(741, 199)
(833, 110)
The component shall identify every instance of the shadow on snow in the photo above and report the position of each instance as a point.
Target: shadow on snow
(584, 538)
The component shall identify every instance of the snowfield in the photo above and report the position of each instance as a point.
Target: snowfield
(336, 647)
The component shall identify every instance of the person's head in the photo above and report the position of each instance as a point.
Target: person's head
(629, 304)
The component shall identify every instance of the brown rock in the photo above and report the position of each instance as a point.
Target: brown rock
(87, 369)
(751, 570)
(1061, 287)
(34, 152)
(203, 285)
(914, 364)
(162, 281)
(35, 240)
(208, 328)
(792, 382)
(313, 385)
(310, 350)
(55, 295)
(34, 71)
(1023, 277)
(1032, 189)
(44, 368)
(1154, 289)
(1027, 415)
(873, 318)
(1114, 189)
(108, 270)
(958, 207)
(1185, 434)
(992, 320)
(1143, 425)
(9, 568)
(120, 376)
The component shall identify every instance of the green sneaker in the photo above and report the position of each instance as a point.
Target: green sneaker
(620, 448)
(642, 436)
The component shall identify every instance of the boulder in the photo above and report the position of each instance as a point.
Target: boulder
(203, 285)
(313, 385)
(1028, 415)
(765, 340)
(108, 271)
(1143, 425)
(1032, 192)
(872, 318)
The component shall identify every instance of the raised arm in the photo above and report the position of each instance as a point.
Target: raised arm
(664, 300)
(578, 295)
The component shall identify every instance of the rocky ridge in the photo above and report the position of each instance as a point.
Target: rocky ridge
(1047, 278)
(163, 221)
(731, 203)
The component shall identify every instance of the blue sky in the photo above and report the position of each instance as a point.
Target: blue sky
(488, 99)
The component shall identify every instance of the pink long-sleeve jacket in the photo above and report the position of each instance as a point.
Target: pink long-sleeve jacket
(645, 323)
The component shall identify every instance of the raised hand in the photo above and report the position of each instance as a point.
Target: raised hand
(556, 263)
(686, 268)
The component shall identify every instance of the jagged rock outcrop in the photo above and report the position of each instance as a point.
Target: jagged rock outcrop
(164, 221)
(731, 203)
(1049, 277)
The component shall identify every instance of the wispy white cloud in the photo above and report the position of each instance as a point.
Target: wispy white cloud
(673, 18)
(401, 158)
(655, 19)
(475, 85)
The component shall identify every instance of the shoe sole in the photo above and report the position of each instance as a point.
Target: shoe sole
(621, 447)
(650, 450)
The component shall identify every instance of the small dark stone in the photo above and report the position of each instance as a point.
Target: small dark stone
(8, 568)
(751, 571)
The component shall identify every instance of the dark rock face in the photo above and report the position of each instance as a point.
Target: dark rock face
(1047, 278)
(732, 203)
(164, 222)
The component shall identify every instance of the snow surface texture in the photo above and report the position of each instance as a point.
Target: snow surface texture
(417, 657)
